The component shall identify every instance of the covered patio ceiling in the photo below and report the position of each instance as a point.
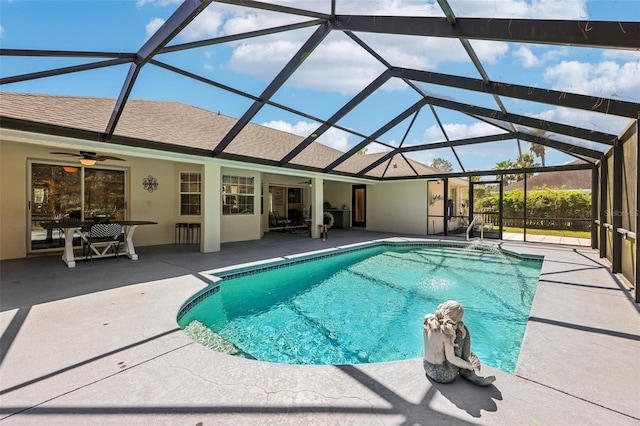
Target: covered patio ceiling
(402, 110)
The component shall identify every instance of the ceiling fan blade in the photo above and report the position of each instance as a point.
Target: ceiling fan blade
(88, 155)
(65, 153)
(107, 157)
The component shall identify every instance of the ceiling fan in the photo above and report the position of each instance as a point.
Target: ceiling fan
(88, 158)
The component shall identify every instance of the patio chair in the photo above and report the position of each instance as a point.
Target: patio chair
(102, 238)
(281, 221)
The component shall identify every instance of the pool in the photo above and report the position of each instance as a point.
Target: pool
(366, 304)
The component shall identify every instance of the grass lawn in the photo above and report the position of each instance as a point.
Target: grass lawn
(554, 232)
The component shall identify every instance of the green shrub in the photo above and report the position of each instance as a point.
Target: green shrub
(546, 208)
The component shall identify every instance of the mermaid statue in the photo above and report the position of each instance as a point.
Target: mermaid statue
(447, 347)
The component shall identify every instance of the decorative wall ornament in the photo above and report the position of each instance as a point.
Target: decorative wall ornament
(150, 183)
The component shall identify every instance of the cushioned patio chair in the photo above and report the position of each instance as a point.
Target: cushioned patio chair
(281, 221)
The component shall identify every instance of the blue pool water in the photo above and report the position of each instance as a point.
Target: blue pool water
(368, 305)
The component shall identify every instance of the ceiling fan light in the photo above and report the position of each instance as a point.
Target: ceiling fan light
(87, 162)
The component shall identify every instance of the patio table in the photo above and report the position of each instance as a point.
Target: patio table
(71, 229)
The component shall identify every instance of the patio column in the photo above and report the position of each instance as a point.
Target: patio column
(604, 206)
(616, 219)
(595, 193)
(211, 208)
(317, 206)
(636, 213)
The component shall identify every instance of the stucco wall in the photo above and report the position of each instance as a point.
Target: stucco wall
(337, 194)
(397, 207)
(158, 206)
(13, 200)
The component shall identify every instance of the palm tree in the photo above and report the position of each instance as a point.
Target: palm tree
(527, 160)
(538, 151)
(505, 165)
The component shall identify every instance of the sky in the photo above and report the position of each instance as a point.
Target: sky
(334, 72)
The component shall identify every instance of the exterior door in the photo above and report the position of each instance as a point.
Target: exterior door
(359, 203)
(486, 202)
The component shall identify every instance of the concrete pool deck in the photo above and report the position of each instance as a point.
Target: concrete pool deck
(100, 345)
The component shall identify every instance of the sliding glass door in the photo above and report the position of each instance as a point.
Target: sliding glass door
(104, 194)
(67, 193)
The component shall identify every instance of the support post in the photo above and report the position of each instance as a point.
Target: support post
(524, 210)
(594, 207)
(317, 206)
(211, 208)
(604, 177)
(637, 212)
(616, 214)
(446, 206)
(500, 208)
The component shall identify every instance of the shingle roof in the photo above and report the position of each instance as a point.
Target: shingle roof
(567, 179)
(182, 125)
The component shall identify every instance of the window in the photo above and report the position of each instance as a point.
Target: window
(190, 193)
(237, 194)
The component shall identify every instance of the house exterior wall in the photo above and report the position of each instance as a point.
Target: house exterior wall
(397, 207)
(158, 206)
(337, 194)
(13, 200)
(161, 206)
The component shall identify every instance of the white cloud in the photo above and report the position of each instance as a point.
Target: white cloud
(526, 57)
(349, 67)
(459, 131)
(488, 51)
(589, 120)
(206, 25)
(1, 31)
(333, 138)
(622, 55)
(608, 79)
(374, 148)
(336, 65)
(336, 139)
(301, 128)
(391, 7)
(153, 26)
(158, 3)
(532, 9)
